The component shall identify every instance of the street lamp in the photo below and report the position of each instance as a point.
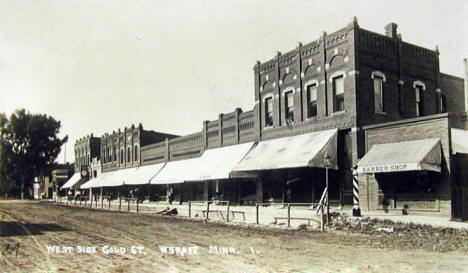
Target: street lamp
(326, 161)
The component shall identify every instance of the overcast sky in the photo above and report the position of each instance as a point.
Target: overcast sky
(102, 65)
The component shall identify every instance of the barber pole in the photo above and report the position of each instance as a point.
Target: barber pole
(356, 209)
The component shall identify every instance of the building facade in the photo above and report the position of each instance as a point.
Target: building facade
(371, 89)
(123, 148)
(86, 148)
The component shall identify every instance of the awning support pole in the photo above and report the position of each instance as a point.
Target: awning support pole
(102, 201)
(227, 215)
(190, 209)
(256, 210)
(207, 210)
(120, 200)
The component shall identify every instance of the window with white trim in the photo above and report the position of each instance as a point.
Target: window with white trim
(121, 156)
(135, 150)
(379, 105)
(419, 100)
(338, 93)
(269, 112)
(312, 100)
(129, 154)
(289, 105)
(443, 103)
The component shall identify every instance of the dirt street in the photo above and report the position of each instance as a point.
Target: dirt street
(54, 238)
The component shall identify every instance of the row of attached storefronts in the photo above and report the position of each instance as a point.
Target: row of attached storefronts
(417, 165)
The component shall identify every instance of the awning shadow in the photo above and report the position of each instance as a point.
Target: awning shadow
(18, 229)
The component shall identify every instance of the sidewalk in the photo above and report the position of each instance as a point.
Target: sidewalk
(415, 219)
(247, 214)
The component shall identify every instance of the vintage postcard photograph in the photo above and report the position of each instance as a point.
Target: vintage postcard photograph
(233, 136)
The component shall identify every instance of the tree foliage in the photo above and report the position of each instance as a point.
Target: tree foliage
(29, 148)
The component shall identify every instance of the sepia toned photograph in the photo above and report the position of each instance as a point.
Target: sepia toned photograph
(233, 136)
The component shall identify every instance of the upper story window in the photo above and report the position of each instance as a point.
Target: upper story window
(443, 103)
(269, 112)
(338, 93)
(379, 102)
(312, 100)
(135, 150)
(121, 156)
(289, 104)
(104, 155)
(114, 153)
(419, 99)
(129, 154)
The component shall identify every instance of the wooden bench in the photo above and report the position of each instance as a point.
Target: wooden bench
(297, 218)
(234, 212)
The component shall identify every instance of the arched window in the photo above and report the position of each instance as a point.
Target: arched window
(121, 156)
(419, 87)
(289, 106)
(338, 88)
(269, 111)
(115, 153)
(379, 98)
(135, 150)
(129, 154)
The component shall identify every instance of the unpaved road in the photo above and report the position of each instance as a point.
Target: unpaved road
(38, 225)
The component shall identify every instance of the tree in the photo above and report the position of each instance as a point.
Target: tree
(29, 148)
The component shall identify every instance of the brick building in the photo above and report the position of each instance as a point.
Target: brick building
(340, 97)
(86, 148)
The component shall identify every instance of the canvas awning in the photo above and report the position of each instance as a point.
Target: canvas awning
(306, 150)
(144, 174)
(414, 155)
(176, 171)
(218, 163)
(76, 177)
(459, 141)
(89, 184)
(118, 177)
(96, 182)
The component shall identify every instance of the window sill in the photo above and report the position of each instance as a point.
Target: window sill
(380, 113)
(339, 113)
(312, 118)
